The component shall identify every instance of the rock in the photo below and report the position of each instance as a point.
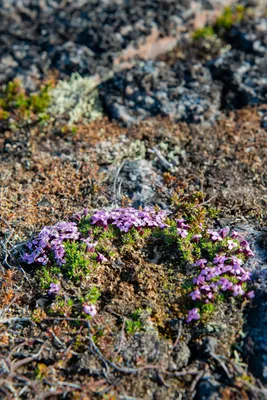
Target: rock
(255, 347)
(185, 92)
(89, 36)
(244, 77)
(147, 346)
(137, 180)
(180, 357)
(208, 389)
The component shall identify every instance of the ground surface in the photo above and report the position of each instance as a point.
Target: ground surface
(178, 111)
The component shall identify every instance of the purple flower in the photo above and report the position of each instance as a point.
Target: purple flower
(206, 288)
(50, 241)
(231, 244)
(90, 310)
(225, 284)
(196, 238)
(220, 259)
(224, 232)
(235, 235)
(100, 258)
(210, 295)
(200, 280)
(182, 232)
(127, 218)
(54, 288)
(248, 252)
(215, 236)
(181, 224)
(250, 294)
(244, 243)
(201, 262)
(245, 276)
(196, 295)
(90, 247)
(237, 290)
(226, 268)
(193, 315)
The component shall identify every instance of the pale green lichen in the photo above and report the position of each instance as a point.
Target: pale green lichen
(76, 100)
(124, 148)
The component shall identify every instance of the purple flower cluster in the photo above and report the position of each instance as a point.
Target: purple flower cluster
(127, 218)
(50, 241)
(225, 273)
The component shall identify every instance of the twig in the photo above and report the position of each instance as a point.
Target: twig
(165, 163)
(196, 380)
(48, 394)
(178, 334)
(207, 201)
(253, 387)
(181, 373)
(116, 178)
(112, 364)
(221, 364)
(122, 337)
(26, 360)
(15, 319)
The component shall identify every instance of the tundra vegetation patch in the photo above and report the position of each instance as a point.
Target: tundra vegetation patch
(211, 261)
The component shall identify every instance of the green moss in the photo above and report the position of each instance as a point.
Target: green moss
(230, 16)
(92, 296)
(203, 33)
(208, 308)
(45, 276)
(77, 261)
(134, 324)
(14, 99)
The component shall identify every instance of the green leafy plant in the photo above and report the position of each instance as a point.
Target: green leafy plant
(203, 33)
(134, 324)
(15, 100)
(230, 16)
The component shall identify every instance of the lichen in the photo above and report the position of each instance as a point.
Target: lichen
(76, 100)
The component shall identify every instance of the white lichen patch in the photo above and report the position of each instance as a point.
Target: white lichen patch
(76, 100)
(124, 148)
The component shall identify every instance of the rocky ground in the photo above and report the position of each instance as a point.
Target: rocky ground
(167, 107)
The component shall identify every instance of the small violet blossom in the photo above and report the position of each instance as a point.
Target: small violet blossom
(100, 258)
(250, 294)
(182, 232)
(90, 309)
(196, 238)
(231, 244)
(54, 288)
(196, 295)
(224, 232)
(201, 262)
(193, 315)
(237, 290)
(215, 236)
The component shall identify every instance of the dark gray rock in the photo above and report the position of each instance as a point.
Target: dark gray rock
(255, 344)
(148, 346)
(138, 180)
(180, 356)
(208, 389)
(244, 77)
(185, 92)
